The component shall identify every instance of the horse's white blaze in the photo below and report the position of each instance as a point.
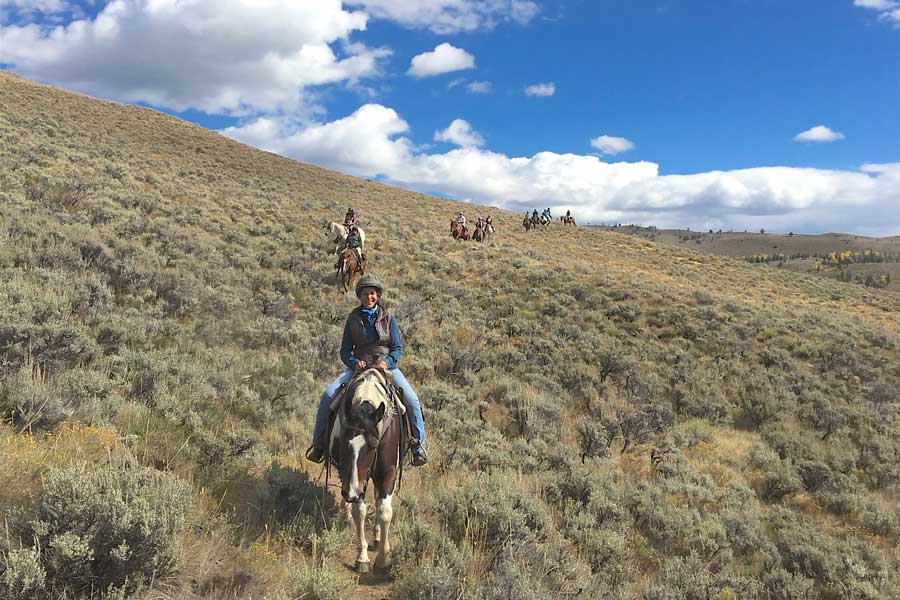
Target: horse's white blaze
(356, 444)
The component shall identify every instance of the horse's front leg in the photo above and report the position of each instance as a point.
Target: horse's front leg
(384, 512)
(359, 521)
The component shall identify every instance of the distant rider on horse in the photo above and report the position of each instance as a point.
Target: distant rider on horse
(350, 217)
(371, 338)
(353, 242)
(546, 214)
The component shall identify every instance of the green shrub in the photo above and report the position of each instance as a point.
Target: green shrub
(690, 579)
(433, 582)
(312, 583)
(780, 584)
(96, 528)
(761, 400)
(509, 579)
(24, 577)
(778, 478)
(593, 439)
(494, 508)
(30, 402)
(881, 522)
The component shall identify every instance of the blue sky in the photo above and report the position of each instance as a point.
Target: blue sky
(703, 101)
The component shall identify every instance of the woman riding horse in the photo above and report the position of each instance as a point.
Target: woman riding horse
(371, 338)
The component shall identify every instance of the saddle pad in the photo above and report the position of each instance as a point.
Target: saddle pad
(387, 383)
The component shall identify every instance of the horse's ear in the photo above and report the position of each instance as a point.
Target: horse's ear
(379, 413)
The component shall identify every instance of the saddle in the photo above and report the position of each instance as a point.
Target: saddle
(394, 393)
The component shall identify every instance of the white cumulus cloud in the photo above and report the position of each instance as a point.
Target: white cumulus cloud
(888, 10)
(608, 144)
(42, 6)
(372, 142)
(479, 87)
(819, 133)
(219, 56)
(541, 89)
(450, 16)
(445, 58)
(460, 133)
(360, 143)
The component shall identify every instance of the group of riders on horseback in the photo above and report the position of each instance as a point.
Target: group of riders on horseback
(545, 218)
(372, 338)
(369, 419)
(459, 229)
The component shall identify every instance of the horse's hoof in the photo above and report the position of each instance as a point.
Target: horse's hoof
(362, 567)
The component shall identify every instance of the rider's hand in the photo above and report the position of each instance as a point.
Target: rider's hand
(382, 365)
(361, 365)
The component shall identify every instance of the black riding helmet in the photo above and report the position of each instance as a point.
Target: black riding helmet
(368, 281)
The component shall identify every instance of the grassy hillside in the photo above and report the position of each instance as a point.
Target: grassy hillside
(609, 417)
(841, 256)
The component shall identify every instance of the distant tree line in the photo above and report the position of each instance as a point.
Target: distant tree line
(832, 259)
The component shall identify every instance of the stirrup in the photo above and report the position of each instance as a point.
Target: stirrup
(315, 454)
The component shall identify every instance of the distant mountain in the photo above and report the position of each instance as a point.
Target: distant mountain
(846, 257)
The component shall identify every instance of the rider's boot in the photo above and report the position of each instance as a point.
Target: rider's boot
(316, 452)
(419, 456)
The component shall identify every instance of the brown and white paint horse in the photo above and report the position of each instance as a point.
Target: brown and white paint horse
(367, 443)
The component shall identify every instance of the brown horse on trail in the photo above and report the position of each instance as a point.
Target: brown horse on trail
(478, 235)
(526, 223)
(567, 220)
(535, 222)
(457, 231)
(349, 268)
(367, 441)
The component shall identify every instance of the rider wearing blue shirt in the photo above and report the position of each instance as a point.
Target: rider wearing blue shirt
(371, 337)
